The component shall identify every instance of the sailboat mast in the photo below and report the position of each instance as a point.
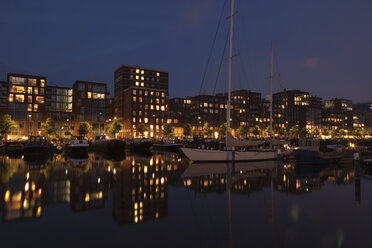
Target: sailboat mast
(271, 90)
(228, 115)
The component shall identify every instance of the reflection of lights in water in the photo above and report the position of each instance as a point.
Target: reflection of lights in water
(135, 205)
(145, 169)
(99, 180)
(38, 212)
(109, 169)
(284, 178)
(33, 186)
(162, 180)
(156, 215)
(135, 219)
(66, 172)
(27, 175)
(153, 175)
(141, 204)
(7, 196)
(25, 204)
(114, 171)
(27, 186)
(39, 191)
(87, 197)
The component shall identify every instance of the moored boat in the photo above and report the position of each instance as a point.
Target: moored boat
(77, 145)
(36, 147)
(14, 149)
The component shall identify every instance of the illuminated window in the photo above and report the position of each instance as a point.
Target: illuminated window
(134, 99)
(29, 98)
(40, 99)
(17, 89)
(137, 83)
(29, 107)
(98, 95)
(11, 97)
(142, 84)
(36, 91)
(89, 95)
(162, 94)
(32, 81)
(146, 120)
(142, 78)
(152, 93)
(29, 90)
(157, 100)
(17, 80)
(20, 98)
(162, 108)
(137, 70)
(42, 82)
(152, 107)
(134, 119)
(157, 74)
(137, 77)
(36, 107)
(157, 107)
(142, 72)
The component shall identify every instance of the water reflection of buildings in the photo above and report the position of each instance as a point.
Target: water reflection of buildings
(21, 191)
(244, 180)
(140, 188)
(299, 180)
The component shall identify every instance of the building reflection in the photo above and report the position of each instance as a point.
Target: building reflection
(140, 187)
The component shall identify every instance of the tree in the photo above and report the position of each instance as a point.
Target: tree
(282, 131)
(222, 130)
(84, 128)
(49, 127)
(294, 131)
(7, 125)
(187, 130)
(342, 132)
(241, 131)
(141, 129)
(316, 132)
(325, 131)
(335, 132)
(167, 130)
(303, 132)
(256, 130)
(207, 130)
(357, 132)
(114, 128)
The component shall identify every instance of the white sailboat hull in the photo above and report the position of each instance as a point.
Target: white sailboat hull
(201, 155)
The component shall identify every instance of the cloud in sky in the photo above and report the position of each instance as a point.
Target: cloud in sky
(310, 63)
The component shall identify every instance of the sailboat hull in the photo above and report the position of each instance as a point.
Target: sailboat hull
(200, 155)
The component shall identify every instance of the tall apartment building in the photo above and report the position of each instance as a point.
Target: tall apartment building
(89, 99)
(26, 103)
(338, 113)
(296, 108)
(141, 96)
(363, 114)
(58, 106)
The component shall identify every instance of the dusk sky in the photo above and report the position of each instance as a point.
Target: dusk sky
(321, 46)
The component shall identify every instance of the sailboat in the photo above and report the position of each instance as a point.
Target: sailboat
(228, 155)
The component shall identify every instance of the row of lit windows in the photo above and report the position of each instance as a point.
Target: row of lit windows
(146, 93)
(146, 120)
(22, 81)
(21, 98)
(22, 89)
(95, 95)
(138, 71)
(157, 100)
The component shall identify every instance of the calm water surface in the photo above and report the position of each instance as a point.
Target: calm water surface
(165, 201)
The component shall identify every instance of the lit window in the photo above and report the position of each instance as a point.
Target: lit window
(137, 83)
(29, 90)
(162, 94)
(137, 70)
(134, 120)
(36, 91)
(157, 74)
(157, 107)
(146, 120)
(142, 78)
(11, 98)
(36, 107)
(42, 82)
(157, 100)
(152, 93)
(152, 107)
(29, 98)
(20, 98)
(134, 99)
(17, 89)
(142, 84)
(89, 95)
(40, 99)
(162, 108)
(29, 107)
(142, 72)
(32, 81)
(137, 77)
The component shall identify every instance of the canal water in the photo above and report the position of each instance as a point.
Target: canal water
(163, 200)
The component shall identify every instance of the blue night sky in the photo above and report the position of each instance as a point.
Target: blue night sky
(322, 46)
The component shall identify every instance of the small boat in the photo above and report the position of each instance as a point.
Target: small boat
(36, 147)
(57, 145)
(101, 143)
(168, 145)
(14, 149)
(141, 145)
(311, 152)
(77, 145)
